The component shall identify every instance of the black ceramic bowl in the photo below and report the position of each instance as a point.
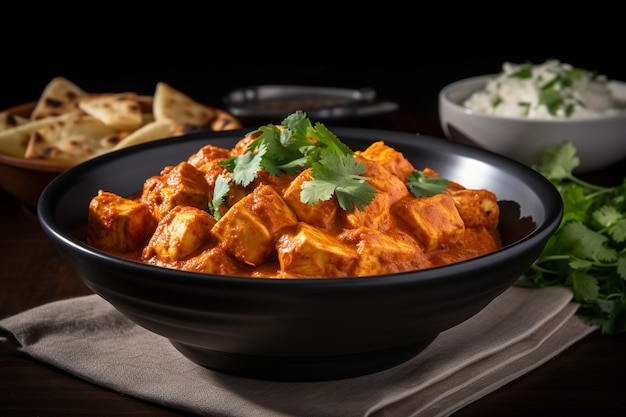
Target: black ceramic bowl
(303, 329)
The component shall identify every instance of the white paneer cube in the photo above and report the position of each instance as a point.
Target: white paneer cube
(248, 229)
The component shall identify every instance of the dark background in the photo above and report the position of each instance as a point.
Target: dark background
(207, 69)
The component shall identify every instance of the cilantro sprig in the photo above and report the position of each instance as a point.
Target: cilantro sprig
(298, 145)
(422, 185)
(336, 174)
(219, 193)
(588, 251)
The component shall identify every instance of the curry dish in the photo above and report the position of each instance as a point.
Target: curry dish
(264, 229)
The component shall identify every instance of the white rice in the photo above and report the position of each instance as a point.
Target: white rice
(521, 90)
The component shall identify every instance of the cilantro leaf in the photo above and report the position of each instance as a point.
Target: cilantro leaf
(584, 285)
(575, 202)
(582, 242)
(219, 192)
(421, 185)
(328, 140)
(524, 72)
(558, 162)
(552, 99)
(608, 314)
(245, 167)
(605, 216)
(340, 175)
(617, 231)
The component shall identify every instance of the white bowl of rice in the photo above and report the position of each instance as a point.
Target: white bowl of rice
(527, 107)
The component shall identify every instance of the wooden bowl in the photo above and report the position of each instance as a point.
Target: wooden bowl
(25, 178)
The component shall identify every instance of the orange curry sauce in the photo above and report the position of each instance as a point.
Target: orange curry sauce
(266, 231)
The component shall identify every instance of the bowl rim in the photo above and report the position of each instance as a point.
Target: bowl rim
(554, 212)
(446, 102)
(34, 163)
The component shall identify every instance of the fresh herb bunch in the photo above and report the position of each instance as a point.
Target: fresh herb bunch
(299, 145)
(588, 251)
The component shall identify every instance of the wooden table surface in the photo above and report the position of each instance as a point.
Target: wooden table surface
(586, 379)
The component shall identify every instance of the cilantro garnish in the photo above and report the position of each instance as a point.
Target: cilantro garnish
(421, 185)
(219, 192)
(552, 99)
(338, 174)
(588, 251)
(299, 145)
(245, 167)
(524, 72)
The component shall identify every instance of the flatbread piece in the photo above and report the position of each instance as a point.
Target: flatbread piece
(58, 97)
(150, 131)
(171, 104)
(74, 140)
(14, 141)
(68, 124)
(118, 110)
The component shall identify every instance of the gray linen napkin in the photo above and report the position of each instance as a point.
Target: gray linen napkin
(517, 332)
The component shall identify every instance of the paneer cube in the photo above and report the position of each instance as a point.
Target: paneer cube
(247, 231)
(241, 146)
(214, 260)
(321, 215)
(206, 154)
(478, 208)
(375, 215)
(384, 253)
(207, 160)
(393, 160)
(118, 224)
(383, 180)
(182, 184)
(278, 182)
(308, 251)
(179, 233)
(433, 221)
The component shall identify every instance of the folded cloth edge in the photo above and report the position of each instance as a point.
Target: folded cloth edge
(31, 326)
(494, 371)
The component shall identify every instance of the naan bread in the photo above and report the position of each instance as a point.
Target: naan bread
(74, 140)
(9, 120)
(120, 111)
(71, 125)
(14, 141)
(189, 115)
(58, 97)
(171, 104)
(11, 143)
(150, 131)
